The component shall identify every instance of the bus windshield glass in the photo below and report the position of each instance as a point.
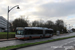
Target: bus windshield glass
(20, 32)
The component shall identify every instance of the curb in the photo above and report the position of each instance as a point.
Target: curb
(7, 40)
(71, 49)
(28, 46)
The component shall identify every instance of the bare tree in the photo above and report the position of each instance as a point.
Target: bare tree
(60, 25)
(35, 23)
(48, 24)
(19, 23)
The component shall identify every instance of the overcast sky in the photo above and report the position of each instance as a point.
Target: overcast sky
(40, 9)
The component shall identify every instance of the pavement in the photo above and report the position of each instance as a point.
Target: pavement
(1, 40)
(11, 42)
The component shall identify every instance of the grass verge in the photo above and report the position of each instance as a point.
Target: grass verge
(30, 44)
(6, 33)
(3, 35)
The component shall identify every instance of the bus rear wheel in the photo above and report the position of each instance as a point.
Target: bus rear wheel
(40, 37)
(30, 37)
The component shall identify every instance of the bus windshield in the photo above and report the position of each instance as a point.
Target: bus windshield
(20, 32)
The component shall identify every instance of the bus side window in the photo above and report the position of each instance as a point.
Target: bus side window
(48, 31)
(24, 32)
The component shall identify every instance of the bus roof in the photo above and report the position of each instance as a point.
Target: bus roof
(40, 28)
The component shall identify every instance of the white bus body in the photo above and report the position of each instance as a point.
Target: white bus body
(33, 32)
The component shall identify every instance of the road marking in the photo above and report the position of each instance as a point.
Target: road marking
(62, 46)
(68, 42)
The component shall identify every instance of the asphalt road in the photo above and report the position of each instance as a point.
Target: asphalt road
(57, 45)
(16, 42)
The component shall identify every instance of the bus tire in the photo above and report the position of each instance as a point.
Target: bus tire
(49, 35)
(30, 37)
(43, 36)
(24, 39)
(40, 37)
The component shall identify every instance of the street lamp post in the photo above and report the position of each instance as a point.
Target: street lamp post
(8, 18)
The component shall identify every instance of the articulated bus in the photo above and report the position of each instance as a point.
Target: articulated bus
(33, 32)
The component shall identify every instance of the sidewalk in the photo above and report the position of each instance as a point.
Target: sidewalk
(61, 34)
(7, 39)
